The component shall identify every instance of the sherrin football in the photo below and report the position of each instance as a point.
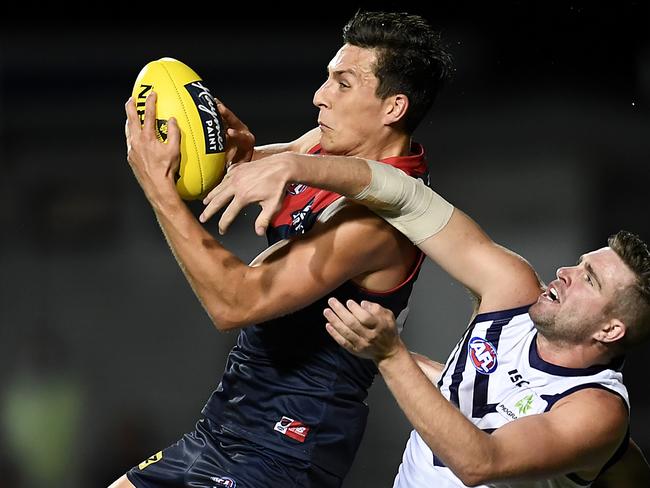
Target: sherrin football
(182, 94)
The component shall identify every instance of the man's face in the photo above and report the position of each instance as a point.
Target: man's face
(350, 117)
(577, 303)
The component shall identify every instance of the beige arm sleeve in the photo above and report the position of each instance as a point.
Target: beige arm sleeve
(405, 202)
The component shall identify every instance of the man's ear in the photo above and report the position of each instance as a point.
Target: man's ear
(612, 331)
(395, 108)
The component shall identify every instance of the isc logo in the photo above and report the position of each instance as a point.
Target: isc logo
(483, 355)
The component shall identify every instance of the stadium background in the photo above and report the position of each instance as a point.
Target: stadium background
(106, 356)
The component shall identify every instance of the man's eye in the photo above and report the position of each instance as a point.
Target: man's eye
(343, 85)
(588, 278)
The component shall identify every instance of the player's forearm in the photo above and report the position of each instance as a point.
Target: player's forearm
(430, 368)
(300, 145)
(457, 442)
(267, 150)
(344, 175)
(214, 273)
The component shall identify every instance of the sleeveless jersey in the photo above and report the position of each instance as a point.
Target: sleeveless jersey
(494, 376)
(287, 385)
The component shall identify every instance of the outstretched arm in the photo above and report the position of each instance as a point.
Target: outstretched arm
(234, 294)
(498, 277)
(579, 446)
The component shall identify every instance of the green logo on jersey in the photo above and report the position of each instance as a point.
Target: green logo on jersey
(525, 404)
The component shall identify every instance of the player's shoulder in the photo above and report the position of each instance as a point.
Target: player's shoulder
(596, 397)
(359, 218)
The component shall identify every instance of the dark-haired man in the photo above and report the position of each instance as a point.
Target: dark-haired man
(290, 405)
(532, 395)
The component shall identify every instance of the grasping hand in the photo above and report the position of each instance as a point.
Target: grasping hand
(154, 163)
(367, 330)
(240, 141)
(263, 181)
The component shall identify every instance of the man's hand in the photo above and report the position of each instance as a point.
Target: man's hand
(262, 182)
(240, 141)
(367, 330)
(154, 163)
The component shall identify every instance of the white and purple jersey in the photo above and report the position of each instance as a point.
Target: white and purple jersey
(495, 375)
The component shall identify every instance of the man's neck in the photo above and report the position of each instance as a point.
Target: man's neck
(572, 355)
(395, 145)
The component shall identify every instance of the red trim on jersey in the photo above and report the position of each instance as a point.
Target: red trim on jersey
(414, 164)
(413, 272)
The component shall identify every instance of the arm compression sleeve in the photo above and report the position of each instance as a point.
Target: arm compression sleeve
(405, 202)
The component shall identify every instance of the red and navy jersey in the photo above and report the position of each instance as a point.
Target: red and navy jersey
(287, 385)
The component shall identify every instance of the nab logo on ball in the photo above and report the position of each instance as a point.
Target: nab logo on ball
(483, 355)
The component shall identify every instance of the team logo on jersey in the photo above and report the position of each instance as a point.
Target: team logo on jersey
(224, 481)
(292, 428)
(153, 459)
(296, 188)
(483, 355)
(298, 217)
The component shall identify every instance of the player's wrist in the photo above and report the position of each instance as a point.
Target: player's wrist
(292, 168)
(163, 194)
(394, 358)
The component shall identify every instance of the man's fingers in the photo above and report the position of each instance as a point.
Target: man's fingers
(215, 202)
(263, 220)
(342, 327)
(132, 119)
(229, 215)
(150, 114)
(362, 314)
(342, 312)
(340, 340)
(173, 133)
(214, 192)
(231, 120)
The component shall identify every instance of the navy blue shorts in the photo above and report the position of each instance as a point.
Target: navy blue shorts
(211, 458)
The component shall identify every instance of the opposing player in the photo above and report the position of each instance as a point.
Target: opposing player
(532, 394)
(290, 405)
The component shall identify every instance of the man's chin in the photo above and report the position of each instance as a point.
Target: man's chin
(537, 312)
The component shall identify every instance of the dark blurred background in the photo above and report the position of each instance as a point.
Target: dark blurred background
(106, 356)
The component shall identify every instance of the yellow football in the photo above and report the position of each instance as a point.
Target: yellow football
(182, 94)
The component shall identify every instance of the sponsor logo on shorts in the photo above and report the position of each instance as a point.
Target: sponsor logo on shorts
(483, 355)
(153, 459)
(224, 481)
(292, 428)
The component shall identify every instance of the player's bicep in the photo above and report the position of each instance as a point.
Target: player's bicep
(311, 266)
(500, 278)
(579, 436)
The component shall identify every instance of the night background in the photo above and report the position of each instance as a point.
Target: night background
(106, 356)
